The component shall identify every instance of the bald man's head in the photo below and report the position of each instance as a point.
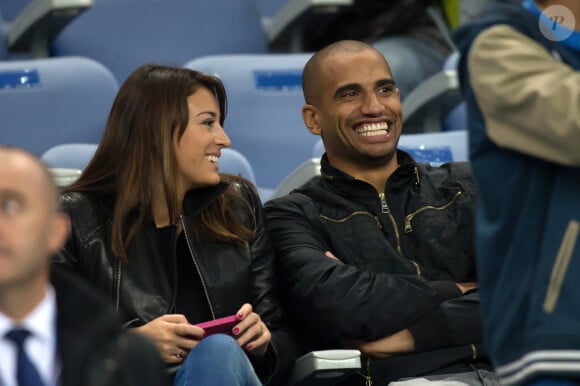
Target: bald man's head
(21, 161)
(315, 65)
(32, 230)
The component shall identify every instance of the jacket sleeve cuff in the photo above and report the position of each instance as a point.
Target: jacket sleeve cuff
(445, 290)
(265, 366)
(431, 332)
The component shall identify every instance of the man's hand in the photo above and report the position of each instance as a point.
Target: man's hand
(331, 256)
(399, 343)
(464, 287)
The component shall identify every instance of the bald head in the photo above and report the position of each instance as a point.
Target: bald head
(315, 65)
(32, 230)
(18, 161)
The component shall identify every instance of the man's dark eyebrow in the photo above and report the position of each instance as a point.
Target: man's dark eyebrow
(356, 86)
(386, 82)
(346, 87)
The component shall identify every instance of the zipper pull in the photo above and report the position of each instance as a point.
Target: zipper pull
(408, 227)
(368, 381)
(384, 205)
(368, 378)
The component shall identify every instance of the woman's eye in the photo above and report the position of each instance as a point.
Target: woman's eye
(209, 123)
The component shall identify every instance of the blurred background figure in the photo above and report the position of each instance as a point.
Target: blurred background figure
(520, 76)
(53, 328)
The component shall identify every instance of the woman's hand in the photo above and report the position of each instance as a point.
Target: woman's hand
(251, 333)
(173, 335)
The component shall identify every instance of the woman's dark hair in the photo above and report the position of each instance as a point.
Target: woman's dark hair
(149, 109)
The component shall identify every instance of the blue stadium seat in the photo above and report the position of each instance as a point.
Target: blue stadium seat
(234, 162)
(69, 155)
(456, 119)
(67, 161)
(124, 34)
(73, 157)
(3, 37)
(264, 118)
(11, 8)
(436, 148)
(269, 8)
(436, 104)
(47, 102)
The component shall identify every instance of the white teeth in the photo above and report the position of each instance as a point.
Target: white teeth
(373, 129)
(212, 158)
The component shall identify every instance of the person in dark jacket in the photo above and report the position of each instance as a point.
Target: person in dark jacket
(71, 334)
(171, 241)
(377, 253)
(520, 76)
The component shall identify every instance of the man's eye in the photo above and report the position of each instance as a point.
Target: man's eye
(387, 90)
(349, 94)
(10, 206)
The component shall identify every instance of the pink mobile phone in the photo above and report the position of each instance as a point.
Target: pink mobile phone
(221, 325)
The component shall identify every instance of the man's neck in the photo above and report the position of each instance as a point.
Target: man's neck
(18, 302)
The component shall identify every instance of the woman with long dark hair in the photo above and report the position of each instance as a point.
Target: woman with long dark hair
(170, 240)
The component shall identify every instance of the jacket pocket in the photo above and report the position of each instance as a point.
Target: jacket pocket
(561, 266)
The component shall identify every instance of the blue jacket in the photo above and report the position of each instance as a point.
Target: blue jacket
(528, 212)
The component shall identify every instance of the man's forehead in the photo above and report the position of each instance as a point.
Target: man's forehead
(18, 172)
(369, 59)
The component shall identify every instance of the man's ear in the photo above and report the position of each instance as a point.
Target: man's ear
(59, 232)
(310, 117)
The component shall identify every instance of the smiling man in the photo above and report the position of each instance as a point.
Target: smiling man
(377, 253)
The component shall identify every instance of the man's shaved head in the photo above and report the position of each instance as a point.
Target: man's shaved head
(45, 181)
(314, 66)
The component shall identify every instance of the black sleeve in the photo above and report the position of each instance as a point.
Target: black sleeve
(455, 322)
(283, 350)
(335, 299)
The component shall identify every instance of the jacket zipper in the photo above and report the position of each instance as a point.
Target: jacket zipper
(118, 287)
(409, 217)
(356, 213)
(561, 266)
(191, 252)
(385, 209)
(368, 378)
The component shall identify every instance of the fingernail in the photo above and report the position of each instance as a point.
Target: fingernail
(249, 347)
(240, 315)
(236, 330)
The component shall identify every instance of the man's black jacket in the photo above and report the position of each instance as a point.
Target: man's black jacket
(400, 255)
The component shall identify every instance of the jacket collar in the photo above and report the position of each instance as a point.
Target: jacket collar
(196, 200)
(345, 184)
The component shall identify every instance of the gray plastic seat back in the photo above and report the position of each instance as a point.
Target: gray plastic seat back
(47, 102)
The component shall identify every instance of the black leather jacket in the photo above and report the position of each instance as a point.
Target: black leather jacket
(144, 289)
(400, 255)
